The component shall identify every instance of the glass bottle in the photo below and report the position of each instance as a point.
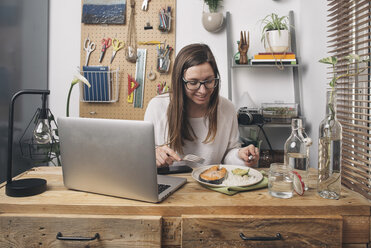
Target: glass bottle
(296, 151)
(329, 152)
(237, 55)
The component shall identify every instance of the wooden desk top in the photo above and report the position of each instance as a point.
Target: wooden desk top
(192, 198)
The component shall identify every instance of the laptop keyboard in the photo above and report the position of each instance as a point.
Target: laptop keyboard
(162, 187)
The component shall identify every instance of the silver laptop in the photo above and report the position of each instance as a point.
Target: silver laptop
(113, 157)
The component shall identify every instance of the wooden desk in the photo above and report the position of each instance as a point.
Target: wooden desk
(192, 217)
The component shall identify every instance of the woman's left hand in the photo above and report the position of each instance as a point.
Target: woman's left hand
(249, 154)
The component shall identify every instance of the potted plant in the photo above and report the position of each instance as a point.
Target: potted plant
(275, 33)
(213, 20)
(330, 129)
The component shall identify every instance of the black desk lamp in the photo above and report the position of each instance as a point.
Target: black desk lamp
(28, 186)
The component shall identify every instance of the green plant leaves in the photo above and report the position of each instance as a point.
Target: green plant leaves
(213, 4)
(329, 60)
(356, 58)
(274, 22)
(366, 59)
(352, 58)
(333, 82)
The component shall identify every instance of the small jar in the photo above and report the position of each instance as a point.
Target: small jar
(280, 180)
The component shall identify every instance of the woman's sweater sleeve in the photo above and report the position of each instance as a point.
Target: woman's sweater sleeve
(156, 113)
(150, 114)
(231, 156)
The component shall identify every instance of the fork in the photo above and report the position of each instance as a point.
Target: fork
(194, 158)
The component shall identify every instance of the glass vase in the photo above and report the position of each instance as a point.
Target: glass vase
(329, 152)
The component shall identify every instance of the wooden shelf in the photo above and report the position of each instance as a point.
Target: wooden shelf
(295, 68)
(234, 65)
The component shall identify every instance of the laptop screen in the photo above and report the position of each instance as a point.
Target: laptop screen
(106, 156)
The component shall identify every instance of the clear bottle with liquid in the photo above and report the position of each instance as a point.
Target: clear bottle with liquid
(296, 150)
(329, 152)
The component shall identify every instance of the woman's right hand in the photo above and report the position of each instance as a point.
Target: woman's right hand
(165, 156)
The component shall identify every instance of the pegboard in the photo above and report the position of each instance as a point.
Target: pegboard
(96, 32)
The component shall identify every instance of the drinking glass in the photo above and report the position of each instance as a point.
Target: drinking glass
(280, 180)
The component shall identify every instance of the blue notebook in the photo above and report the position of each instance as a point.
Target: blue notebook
(98, 77)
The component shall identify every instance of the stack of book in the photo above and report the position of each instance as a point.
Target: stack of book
(273, 58)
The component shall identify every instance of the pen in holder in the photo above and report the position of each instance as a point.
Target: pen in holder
(165, 19)
(163, 58)
(162, 88)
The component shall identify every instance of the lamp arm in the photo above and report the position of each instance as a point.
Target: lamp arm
(11, 121)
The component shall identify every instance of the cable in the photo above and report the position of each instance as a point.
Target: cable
(266, 137)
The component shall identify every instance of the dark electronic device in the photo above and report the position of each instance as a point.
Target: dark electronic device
(174, 169)
(249, 116)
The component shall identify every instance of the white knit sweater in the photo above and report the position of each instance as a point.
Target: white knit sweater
(224, 148)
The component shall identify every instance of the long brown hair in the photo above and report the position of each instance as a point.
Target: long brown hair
(179, 126)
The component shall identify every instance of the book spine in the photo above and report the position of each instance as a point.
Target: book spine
(275, 53)
(287, 56)
(257, 62)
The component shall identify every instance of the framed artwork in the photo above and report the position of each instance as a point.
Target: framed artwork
(103, 12)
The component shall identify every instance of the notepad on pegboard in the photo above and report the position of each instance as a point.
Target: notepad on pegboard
(98, 77)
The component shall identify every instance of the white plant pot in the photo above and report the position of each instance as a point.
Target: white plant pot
(277, 42)
(212, 22)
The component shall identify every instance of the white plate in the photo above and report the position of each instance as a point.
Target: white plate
(254, 176)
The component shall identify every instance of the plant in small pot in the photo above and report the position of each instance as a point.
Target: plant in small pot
(213, 20)
(275, 33)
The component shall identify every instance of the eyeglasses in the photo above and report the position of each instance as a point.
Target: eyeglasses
(196, 84)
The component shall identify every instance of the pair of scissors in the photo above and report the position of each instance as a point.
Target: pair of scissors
(106, 43)
(145, 5)
(89, 47)
(117, 45)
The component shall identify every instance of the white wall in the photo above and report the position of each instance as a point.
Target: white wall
(64, 54)
(261, 84)
(312, 45)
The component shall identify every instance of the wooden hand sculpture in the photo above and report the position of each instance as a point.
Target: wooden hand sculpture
(243, 47)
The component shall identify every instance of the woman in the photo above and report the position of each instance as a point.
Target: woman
(193, 118)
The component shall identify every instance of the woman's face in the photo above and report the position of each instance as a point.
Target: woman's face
(200, 72)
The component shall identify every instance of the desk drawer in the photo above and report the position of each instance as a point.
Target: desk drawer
(296, 231)
(114, 231)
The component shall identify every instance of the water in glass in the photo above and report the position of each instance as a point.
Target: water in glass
(280, 181)
(296, 150)
(329, 152)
